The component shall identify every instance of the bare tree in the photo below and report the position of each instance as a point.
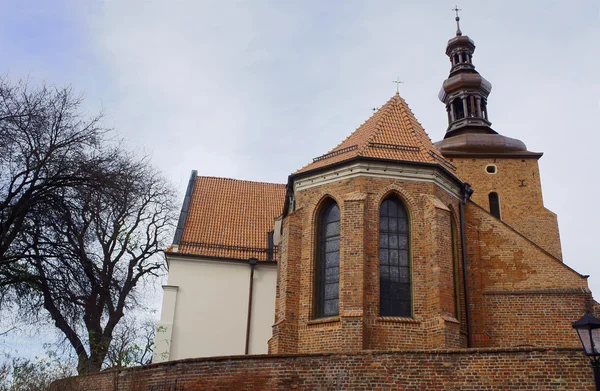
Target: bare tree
(94, 235)
(45, 144)
(133, 343)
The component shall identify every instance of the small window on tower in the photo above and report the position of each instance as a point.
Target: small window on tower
(491, 169)
(459, 111)
(495, 205)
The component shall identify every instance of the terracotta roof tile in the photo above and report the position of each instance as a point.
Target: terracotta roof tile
(231, 218)
(391, 133)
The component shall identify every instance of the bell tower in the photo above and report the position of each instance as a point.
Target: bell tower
(465, 91)
(502, 172)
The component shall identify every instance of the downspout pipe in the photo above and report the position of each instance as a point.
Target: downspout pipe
(465, 194)
(252, 262)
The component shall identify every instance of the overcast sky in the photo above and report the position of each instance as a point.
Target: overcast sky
(255, 89)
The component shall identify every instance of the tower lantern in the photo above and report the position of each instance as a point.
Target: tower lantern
(465, 91)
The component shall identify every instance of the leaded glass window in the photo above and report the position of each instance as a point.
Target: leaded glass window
(455, 268)
(394, 262)
(327, 270)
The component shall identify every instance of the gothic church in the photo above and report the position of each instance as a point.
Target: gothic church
(389, 242)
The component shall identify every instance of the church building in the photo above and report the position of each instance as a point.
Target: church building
(388, 242)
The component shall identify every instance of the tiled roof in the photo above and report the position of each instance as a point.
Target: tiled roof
(391, 133)
(231, 218)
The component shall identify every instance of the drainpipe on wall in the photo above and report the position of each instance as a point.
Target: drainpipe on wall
(252, 262)
(465, 193)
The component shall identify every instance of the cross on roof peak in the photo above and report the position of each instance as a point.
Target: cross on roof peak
(398, 82)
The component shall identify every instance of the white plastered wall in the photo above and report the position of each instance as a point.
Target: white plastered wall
(205, 309)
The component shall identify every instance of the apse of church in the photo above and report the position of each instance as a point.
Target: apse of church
(383, 272)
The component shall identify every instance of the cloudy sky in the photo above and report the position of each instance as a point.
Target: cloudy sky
(255, 89)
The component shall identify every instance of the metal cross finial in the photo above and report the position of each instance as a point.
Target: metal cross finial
(456, 9)
(398, 82)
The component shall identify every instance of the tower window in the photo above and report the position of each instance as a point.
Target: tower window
(394, 265)
(327, 267)
(469, 106)
(459, 111)
(495, 205)
(491, 169)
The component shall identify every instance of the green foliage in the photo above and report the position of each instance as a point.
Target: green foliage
(20, 374)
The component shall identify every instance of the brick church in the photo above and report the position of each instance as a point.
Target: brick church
(391, 241)
(389, 262)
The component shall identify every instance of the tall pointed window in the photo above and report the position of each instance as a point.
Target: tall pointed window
(394, 264)
(455, 267)
(327, 268)
(495, 205)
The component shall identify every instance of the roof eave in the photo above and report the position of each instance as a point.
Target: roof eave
(210, 257)
(297, 175)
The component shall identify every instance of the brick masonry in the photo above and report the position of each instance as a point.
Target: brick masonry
(419, 370)
(515, 278)
(359, 325)
(517, 182)
(514, 284)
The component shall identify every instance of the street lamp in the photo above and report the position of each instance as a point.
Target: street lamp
(588, 329)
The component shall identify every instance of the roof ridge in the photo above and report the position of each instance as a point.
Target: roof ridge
(355, 130)
(239, 180)
(378, 129)
(392, 132)
(413, 132)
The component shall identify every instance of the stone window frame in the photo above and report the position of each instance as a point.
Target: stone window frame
(491, 165)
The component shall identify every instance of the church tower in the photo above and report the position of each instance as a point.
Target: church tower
(502, 172)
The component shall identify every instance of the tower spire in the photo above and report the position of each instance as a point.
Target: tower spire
(465, 93)
(456, 9)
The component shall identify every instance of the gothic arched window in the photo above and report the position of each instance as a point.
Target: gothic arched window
(394, 262)
(327, 266)
(455, 267)
(495, 204)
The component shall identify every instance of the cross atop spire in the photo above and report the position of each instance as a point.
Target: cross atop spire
(398, 82)
(456, 9)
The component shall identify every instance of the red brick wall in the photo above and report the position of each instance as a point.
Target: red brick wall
(521, 203)
(514, 283)
(359, 325)
(458, 370)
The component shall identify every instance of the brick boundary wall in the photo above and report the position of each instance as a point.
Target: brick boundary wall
(504, 369)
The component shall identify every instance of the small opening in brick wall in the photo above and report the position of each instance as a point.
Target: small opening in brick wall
(491, 169)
